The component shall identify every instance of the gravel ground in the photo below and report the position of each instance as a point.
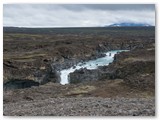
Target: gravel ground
(91, 106)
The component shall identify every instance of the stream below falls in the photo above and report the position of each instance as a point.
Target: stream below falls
(92, 64)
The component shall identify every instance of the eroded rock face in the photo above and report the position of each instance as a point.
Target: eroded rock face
(19, 84)
(84, 75)
(136, 68)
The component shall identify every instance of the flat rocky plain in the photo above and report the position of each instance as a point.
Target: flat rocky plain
(90, 106)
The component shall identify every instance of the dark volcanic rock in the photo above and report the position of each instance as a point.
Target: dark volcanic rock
(135, 70)
(142, 81)
(135, 67)
(19, 84)
(84, 75)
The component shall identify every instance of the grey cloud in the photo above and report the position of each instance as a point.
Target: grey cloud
(71, 15)
(87, 6)
(110, 6)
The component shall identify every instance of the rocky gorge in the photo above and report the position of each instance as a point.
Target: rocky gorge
(32, 69)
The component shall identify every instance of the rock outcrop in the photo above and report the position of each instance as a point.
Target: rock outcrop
(84, 75)
(136, 68)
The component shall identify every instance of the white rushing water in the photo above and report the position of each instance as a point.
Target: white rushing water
(92, 64)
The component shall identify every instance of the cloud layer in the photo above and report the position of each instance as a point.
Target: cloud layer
(79, 15)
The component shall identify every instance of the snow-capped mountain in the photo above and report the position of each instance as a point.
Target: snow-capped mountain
(127, 24)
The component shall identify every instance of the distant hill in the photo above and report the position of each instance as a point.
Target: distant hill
(127, 25)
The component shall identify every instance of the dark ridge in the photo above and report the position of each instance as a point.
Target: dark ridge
(72, 30)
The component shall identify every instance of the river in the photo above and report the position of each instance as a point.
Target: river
(92, 64)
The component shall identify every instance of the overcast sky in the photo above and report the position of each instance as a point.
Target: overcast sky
(79, 15)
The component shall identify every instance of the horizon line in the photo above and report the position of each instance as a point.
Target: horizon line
(72, 27)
